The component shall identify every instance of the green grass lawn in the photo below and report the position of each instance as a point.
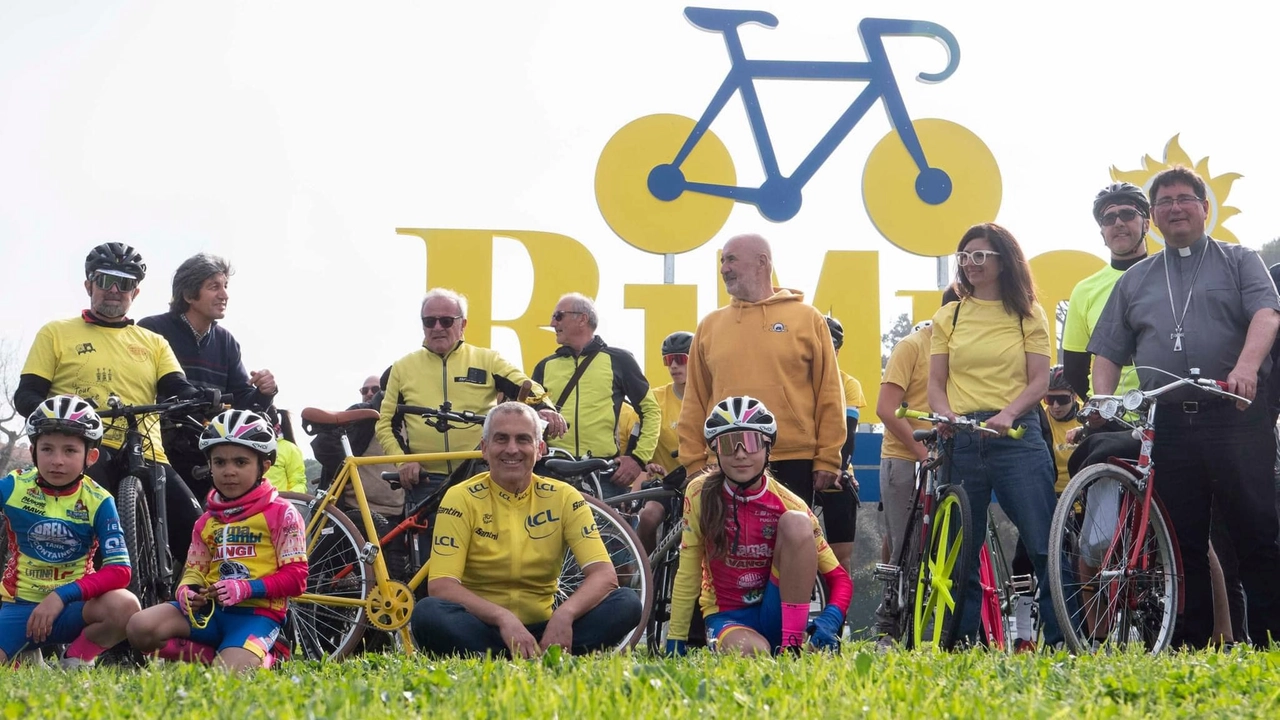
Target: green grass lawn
(858, 683)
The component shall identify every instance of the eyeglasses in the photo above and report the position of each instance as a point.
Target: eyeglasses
(977, 257)
(750, 440)
(1126, 215)
(446, 321)
(1058, 399)
(675, 359)
(1165, 203)
(558, 315)
(369, 390)
(105, 282)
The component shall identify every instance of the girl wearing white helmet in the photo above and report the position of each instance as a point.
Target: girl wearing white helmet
(248, 555)
(57, 517)
(753, 547)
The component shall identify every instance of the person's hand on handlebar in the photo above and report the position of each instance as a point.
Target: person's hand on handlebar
(1002, 422)
(556, 426)
(1243, 381)
(409, 474)
(948, 428)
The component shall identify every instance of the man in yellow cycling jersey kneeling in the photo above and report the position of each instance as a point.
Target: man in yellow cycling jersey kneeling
(484, 600)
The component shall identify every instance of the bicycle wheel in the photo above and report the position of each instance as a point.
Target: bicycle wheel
(944, 571)
(315, 630)
(629, 561)
(139, 537)
(900, 590)
(636, 162)
(994, 628)
(892, 183)
(1100, 597)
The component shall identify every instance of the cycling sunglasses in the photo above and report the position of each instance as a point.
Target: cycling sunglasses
(369, 390)
(750, 440)
(445, 321)
(675, 359)
(1125, 215)
(123, 284)
(1058, 399)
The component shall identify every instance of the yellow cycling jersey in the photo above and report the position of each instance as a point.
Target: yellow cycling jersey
(509, 549)
(94, 361)
(668, 437)
(469, 377)
(289, 472)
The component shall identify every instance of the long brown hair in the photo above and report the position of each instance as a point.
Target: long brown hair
(1017, 289)
(711, 518)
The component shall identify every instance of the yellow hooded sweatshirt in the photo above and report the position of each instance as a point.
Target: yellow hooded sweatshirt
(778, 351)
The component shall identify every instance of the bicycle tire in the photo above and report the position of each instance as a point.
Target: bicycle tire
(629, 561)
(944, 572)
(313, 630)
(1140, 605)
(139, 538)
(995, 629)
(1004, 585)
(900, 593)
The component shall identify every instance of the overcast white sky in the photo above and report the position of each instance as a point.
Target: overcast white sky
(294, 137)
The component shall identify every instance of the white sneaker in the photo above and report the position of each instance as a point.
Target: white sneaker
(32, 658)
(69, 663)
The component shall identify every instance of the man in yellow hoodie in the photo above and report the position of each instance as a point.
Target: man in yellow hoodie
(769, 344)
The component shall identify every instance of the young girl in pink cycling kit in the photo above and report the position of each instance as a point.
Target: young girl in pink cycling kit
(248, 556)
(753, 547)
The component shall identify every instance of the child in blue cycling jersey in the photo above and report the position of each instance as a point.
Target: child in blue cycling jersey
(248, 556)
(57, 519)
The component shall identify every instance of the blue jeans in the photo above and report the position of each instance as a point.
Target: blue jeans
(1022, 475)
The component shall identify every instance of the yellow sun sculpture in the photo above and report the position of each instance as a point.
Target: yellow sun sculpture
(1217, 187)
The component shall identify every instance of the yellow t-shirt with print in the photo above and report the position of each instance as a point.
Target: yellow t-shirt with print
(94, 361)
(509, 549)
(1061, 449)
(668, 438)
(988, 349)
(853, 397)
(908, 368)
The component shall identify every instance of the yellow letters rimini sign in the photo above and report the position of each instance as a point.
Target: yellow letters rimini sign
(666, 184)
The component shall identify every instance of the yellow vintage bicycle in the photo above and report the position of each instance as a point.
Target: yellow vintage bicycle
(349, 587)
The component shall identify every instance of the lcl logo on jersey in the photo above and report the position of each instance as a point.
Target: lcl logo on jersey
(445, 545)
(536, 525)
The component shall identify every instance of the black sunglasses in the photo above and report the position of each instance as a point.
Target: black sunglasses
(446, 321)
(1126, 215)
(1058, 399)
(558, 315)
(105, 282)
(369, 390)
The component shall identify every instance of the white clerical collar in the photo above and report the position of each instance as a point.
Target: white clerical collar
(1184, 252)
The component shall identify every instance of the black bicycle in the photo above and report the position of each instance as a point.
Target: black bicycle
(142, 489)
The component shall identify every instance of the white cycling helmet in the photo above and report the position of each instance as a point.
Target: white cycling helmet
(740, 413)
(66, 414)
(243, 428)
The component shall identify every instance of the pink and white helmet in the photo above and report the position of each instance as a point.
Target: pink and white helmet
(243, 428)
(66, 414)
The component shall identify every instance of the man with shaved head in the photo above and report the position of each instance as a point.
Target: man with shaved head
(769, 344)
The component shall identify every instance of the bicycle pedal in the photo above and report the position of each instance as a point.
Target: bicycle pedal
(1022, 584)
(886, 572)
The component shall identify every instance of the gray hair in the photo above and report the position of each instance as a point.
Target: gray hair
(446, 293)
(584, 305)
(190, 277)
(512, 407)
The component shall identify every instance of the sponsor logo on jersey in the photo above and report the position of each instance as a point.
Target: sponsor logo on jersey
(224, 552)
(236, 535)
(578, 505)
(590, 531)
(114, 545)
(768, 531)
(232, 570)
(54, 541)
(751, 579)
(139, 353)
(486, 534)
(755, 550)
(544, 489)
(79, 512)
(753, 597)
(450, 511)
(84, 348)
(474, 376)
(487, 519)
(445, 545)
(479, 490)
(538, 525)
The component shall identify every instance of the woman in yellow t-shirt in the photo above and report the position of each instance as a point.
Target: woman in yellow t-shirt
(989, 360)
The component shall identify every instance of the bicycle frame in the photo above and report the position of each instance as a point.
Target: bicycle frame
(372, 551)
(778, 198)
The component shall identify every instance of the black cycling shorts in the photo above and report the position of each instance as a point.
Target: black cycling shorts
(838, 512)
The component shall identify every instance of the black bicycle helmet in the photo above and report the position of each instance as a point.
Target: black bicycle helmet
(837, 331)
(677, 343)
(1058, 378)
(1121, 193)
(115, 258)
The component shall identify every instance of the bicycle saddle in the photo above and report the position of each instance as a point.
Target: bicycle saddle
(577, 468)
(918, 435)
(316, 416)
(720, 20)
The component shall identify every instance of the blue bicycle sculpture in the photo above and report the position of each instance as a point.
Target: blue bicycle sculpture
(666, 183)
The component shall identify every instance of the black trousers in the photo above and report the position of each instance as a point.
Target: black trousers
(839, 508)
(1221, 459)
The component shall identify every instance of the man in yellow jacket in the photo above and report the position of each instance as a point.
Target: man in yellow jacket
(769, 344)
(445, 368)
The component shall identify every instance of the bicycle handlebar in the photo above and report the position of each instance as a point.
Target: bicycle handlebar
(1109, 406)
(115, 409)
(961, 421)
(439, 418)
(881, 27)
